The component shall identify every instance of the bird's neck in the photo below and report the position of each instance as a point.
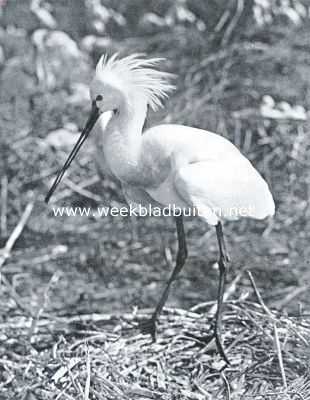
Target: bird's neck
(122, 142)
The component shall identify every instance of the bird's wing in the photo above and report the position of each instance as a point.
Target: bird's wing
(224, 189)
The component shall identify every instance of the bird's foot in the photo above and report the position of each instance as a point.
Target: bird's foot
(218, 340)
(148, 327)
(207, 339)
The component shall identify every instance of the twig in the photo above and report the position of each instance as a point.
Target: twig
(63, 392)
(202, 391)
(276, 336)
(4, 206)
(222, 21)
(66, 192)
(42, 304)
(269, 227)
(6, 251)
(280, 358)
(234, 21)
(76, 384)
(88, 370)
(83, 192)
(5, 254)
(64, 369)
(227, 385)
(259, 297)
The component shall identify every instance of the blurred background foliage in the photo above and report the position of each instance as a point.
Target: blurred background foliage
(243, 70)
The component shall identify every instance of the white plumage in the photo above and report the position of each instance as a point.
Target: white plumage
(168, 165)
(172, 164)
(205, 171)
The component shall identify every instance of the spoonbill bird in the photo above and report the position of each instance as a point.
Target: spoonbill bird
(168, 165)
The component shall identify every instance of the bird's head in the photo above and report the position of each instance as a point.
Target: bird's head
(105, 96)
(120, 82)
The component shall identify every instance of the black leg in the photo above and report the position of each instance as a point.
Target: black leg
(223, 260)
(149, 326)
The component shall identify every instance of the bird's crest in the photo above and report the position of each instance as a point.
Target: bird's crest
(137, 75)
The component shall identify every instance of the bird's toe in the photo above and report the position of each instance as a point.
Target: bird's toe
(219, 344)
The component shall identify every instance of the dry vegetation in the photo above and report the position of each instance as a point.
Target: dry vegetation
(74, 289)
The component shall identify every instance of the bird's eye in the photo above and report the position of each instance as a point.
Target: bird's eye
(99, 97)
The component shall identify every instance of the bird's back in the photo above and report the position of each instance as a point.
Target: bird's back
(192, 144)
(202, 169)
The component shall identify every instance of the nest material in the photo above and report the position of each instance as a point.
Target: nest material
(100, 356)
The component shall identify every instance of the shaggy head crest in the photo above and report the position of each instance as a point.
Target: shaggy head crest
(134, 74)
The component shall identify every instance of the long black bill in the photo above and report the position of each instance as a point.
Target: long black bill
(94, 115)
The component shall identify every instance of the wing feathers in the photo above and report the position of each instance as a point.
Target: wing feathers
(231, 189)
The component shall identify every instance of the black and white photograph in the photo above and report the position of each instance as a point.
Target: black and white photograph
(154, 199)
